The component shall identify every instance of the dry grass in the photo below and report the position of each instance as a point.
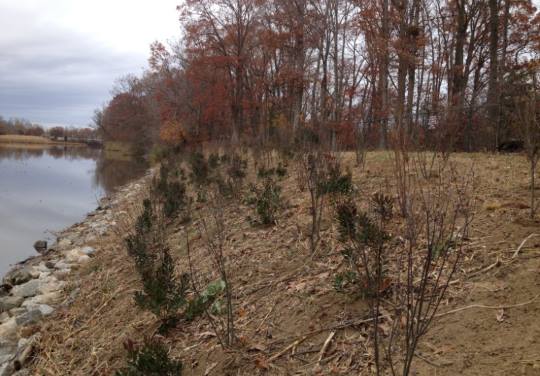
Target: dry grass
(31, 140)
(285, 304)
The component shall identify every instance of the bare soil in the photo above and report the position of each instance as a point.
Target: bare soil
(285, 303)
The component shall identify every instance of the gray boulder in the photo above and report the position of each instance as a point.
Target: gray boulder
(89, 251)
(4, 316)
(6, 369)
(28, 289)
(5, 289)
(18, 276)
(29, 318)
(40, 246)
(7, 351)
(9, 302)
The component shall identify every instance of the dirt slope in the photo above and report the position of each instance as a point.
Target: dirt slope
(286, 305)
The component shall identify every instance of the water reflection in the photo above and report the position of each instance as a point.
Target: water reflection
(47, 189)
(57, 152)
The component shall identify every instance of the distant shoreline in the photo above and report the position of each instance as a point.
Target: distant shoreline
(21, 140)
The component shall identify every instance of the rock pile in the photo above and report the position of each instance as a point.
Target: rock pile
(34, 288)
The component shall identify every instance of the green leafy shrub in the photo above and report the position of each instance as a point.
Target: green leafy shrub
(150, 359)
(345, 279)
(208, 299)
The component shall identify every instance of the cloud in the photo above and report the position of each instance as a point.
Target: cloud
(60, 58)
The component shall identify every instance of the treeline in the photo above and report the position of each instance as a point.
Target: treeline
(20, 127)
(433, 73)
(24, 127)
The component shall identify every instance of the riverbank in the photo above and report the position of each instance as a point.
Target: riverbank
(41, 285)
(291, 315)
(21, 140)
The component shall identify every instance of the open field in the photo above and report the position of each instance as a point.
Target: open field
(286, 306)
(32, 140)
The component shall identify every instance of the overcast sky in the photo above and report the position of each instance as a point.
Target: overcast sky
(60, 58)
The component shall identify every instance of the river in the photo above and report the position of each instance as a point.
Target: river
(45, 189)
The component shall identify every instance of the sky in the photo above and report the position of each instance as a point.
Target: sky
(60, 58)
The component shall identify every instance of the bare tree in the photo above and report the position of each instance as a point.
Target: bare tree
(527, 116)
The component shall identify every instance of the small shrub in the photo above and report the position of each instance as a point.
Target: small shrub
(267, 200)
(163, 294)
(137, 243)
(175, 199)
(214, 161)
(150, 359)
(336, 182)
(363, 240)
(383, 205)
(208, 299)
(343, 280)
(280, 171)
(237, 171)
(158, 153)
(171, 194)
(199, 168)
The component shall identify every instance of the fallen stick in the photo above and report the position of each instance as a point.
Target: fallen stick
(487, 307)
(294, 344)
(325, 346)
(316, 332)
(516, 253)
(266, 317)
(486, 269)
(431, 362)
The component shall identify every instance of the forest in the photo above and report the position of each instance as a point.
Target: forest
(430, 73)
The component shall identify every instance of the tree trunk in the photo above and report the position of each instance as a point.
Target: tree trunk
(493, 87)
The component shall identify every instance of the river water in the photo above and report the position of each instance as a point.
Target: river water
(43, 190)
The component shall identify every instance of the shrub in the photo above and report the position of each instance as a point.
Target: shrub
(175, 199)
(163, 294)
(150, 359)
(137, 243)
(336, 182)
(280, 171)
(171, 194)
(208, 299)
(267, 200)
(158, 153)
(199, 168)
(214, 161)
(321, 174)
(236, 172)
(383, 205)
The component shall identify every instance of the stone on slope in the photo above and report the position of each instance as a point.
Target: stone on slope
(9, 302)
(28, 289)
